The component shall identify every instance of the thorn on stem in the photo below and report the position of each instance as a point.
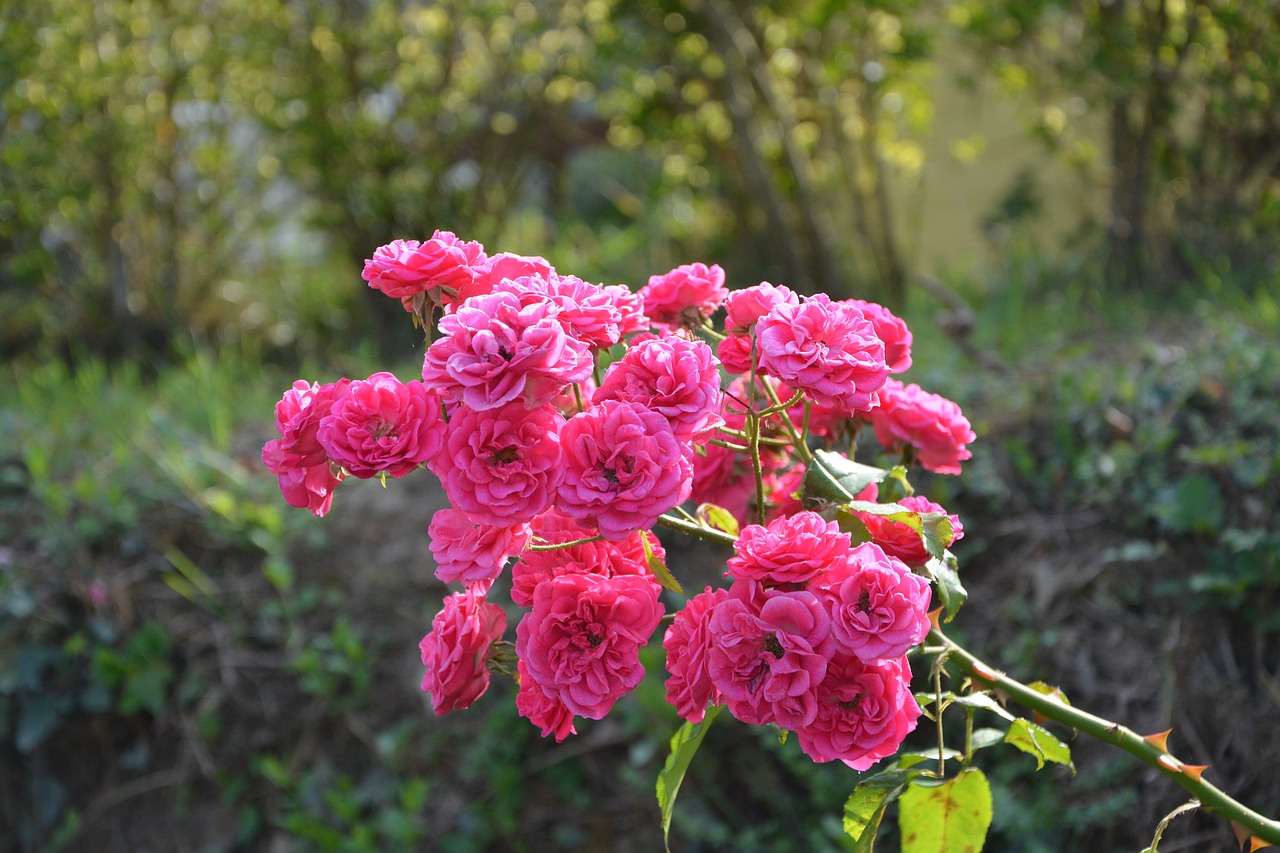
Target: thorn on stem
(1160, 740)
(1195, 771)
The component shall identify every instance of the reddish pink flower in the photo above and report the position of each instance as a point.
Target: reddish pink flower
(471, 552)
(684, 296)
(585, 310)
(782, 493)
(299, 461)
(581, 641)
(790, 550)
(744, 308)
(900, 541)
(827, 349)
(630, 308)
(769, 651)
(864, 710)
(890, 329)
(506, 265)
(381, 425)
(546, 712)
(496, 349)
(444, 269)
(456, 651)
(688, 644)
(604, 558)
(501, 466)
(623, 467)
(878, 608)
(678, 379)
(931, 424)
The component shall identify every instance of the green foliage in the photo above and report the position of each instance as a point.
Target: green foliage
(950, 816)
(684, 746)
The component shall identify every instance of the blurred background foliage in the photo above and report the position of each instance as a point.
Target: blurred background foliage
(1075, 203)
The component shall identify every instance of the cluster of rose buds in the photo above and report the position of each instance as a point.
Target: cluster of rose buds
(565, 419)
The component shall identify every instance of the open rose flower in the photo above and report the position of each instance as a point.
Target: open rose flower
(623, 467)
(931, 424)
(381, 425)
(687, 644)
(900, 541)
(864, 710)
(769, 651)
(602, 557)
(890, 329)
(507, 265)
(501, 466)
(586, 311)
(456, 651)
(744, 309)
(630, 308)
(442, 271)
(791, 550)
(827, 349)
(496, 349)
(297, 458)
(678, 379)
(471, 552)
(581, 641)
(878, 608)
(546, 712)
(684, 296)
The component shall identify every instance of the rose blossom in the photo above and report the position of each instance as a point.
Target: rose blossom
(864, 710)
(381, 425)
(443, 269)
(899, 540)
(299, 461)
(827, 349)
(684, 296)
(472, 552)
(508, 265)
(623, 467)
(769, 651)
(687, 644)
(890, 329)
(878, 608)
(933, 425)
(456, 649)
(790, 550)
(585, 310)
(744, 309)
(581, 641)
(604, 558)
(546, 712)
(501, 466)
(676, 378)
(630, 308)
(495, 349)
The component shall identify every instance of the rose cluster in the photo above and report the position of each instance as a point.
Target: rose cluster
(564, 419)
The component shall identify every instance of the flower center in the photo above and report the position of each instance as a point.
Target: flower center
(773, 647)
(506, 455)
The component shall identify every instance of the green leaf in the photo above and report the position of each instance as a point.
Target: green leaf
(717, 518)
(836, 478)
(1039, 743)
(684, 745)
(865, 808)
(983, 701)
(950, 818)
(951, 592)
(659, 568)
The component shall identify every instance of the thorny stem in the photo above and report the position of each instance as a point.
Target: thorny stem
(801, 447)
(753, 430)
(1211, 797)
(556, 546)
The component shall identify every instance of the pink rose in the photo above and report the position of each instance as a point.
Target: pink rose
(381, 425)
(878, 608)
(933, 425)
(744, 308)
(900, 541)
(501, 466)
(495, 349)
(546, 712)
(581, 641)
(791, 550)
(684, 296)
(623, 467)
(585, 310)
(678, 379)
(604, 558)
(769, 651)
(687, 644)
(443, 269)
(300, 463)
(890, 329)
(456, 650)
(471, 552)
(507, 265)
(864, 712)
(630, 308)
(827, 349)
